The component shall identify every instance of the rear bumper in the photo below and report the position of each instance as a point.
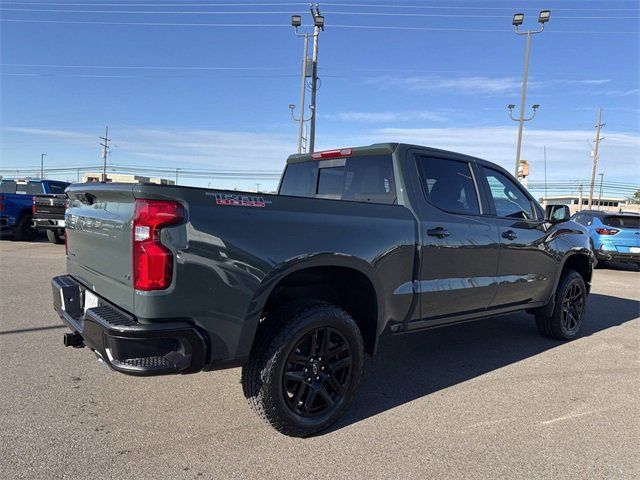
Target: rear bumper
(121, 342)
(47, 224)
(615, 256)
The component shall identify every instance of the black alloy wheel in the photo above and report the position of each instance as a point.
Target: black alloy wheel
(317, 372)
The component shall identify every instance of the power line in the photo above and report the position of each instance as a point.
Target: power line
(266, 12)
(278, 25)
(280, 4)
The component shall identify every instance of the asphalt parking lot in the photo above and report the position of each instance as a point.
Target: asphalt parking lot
(490, 399)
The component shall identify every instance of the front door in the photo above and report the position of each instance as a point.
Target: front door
(459, 256)
(527, 266)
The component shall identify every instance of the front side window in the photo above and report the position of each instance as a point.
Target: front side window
(449, 185)
(509, 200)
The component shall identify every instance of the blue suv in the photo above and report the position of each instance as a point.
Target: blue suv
(614, 236)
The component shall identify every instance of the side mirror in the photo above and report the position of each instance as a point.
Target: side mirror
(557, 213)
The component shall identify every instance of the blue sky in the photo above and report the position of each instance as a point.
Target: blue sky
(181, 95)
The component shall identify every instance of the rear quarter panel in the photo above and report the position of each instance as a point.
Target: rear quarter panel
(230, 257)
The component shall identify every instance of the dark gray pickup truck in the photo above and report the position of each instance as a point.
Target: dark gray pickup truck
(296, 287)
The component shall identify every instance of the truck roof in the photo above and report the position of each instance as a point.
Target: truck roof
(373, 149)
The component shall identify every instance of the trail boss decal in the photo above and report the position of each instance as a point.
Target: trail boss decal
(239, 200)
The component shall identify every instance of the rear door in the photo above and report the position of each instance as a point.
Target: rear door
(459, 254)
(527, 266)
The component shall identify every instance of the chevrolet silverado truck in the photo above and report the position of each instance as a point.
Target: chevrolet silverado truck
(298, 286)
(16, 205)
(48, 215)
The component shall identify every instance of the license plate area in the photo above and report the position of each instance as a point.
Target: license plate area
(634, 249)
(90, 300)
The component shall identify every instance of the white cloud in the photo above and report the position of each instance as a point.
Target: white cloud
(467, 85)
(624, 93)
(382, 117)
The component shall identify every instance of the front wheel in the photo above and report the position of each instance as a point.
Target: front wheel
(303, 375)
(568, 313)
(56, 236)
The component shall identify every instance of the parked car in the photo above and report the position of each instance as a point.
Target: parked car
(614, 236)
(16, 204)
(297, 287)
(48, 215)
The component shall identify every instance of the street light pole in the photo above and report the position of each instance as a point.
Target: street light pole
(42, 155)
(518, 19)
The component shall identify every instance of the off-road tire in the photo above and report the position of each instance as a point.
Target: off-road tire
(55, 236)
(553, 326)
(262, 376)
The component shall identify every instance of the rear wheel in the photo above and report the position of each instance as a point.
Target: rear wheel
(23, 231)
(304, 374)
(568, 313)
(56, 236)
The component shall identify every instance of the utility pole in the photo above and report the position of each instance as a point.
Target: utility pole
(78, 175)
(318, 25)
(580, 197)
(594, 153)
(314, 79)
(42, 155)
(105, 149)
(545, 172)
(177, 170)
(257, 188)
(518, 19)
(600, 195)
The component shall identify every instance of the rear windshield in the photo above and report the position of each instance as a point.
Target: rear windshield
(367, 178)
(28, 188)
(7, 186)
(630, 221)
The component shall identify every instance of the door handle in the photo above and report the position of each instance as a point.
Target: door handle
(509, 235)
(438, 232)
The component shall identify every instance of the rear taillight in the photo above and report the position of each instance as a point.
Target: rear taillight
(1, 203)
(152, 261)
(607, 231)
(34, 207)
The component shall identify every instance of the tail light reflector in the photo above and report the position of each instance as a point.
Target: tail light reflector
(152, 261)
(34, 207)
(1, 203)
(607, 231)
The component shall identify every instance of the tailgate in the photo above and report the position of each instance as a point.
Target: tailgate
(50, 206)
(99, 239)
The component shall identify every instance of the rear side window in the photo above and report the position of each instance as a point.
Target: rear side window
(360, 179)
(448, 184)
(622, 221)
